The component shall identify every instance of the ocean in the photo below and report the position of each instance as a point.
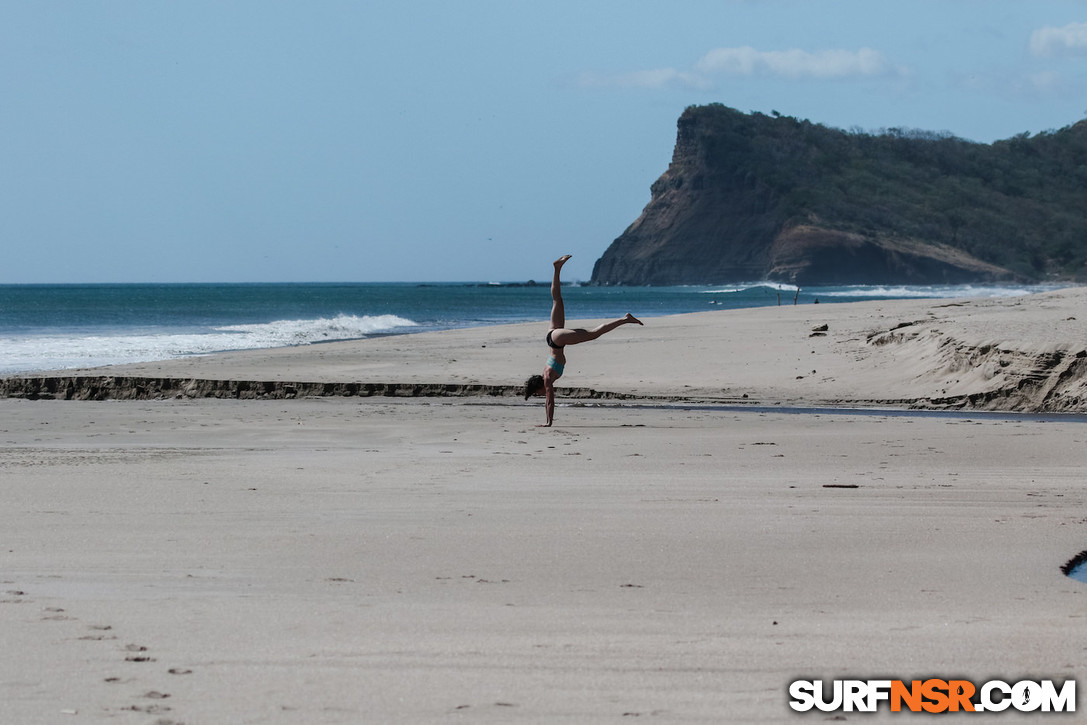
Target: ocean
(53, 327)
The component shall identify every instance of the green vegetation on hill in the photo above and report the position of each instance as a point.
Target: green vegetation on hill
(1020, 203)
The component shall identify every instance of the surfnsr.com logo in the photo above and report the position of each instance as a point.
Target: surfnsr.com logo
(932, 695)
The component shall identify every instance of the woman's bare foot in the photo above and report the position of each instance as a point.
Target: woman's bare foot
(631, 318)
(562, 260)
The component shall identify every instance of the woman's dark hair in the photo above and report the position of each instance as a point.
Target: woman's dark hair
(533, 385)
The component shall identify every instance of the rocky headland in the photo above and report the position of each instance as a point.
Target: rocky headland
(753, 197)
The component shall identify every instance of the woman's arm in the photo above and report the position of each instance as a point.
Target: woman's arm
(549, 402)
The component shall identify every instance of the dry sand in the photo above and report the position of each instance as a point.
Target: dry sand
(356, 560)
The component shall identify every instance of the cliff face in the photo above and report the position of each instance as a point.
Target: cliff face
(750, 197)
(812, 255)
(702, 225)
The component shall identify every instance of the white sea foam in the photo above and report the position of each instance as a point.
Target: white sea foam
(304, 332)
(745, 286)
(934, 291)
(891, 291)
(56, 352)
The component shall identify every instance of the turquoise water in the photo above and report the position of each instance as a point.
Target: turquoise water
(49, 327)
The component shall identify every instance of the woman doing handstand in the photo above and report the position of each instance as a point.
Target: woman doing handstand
(558, 337)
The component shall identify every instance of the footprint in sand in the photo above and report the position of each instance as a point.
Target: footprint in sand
(137, 657)
(149, 709)
(55, 614)
(102, 628)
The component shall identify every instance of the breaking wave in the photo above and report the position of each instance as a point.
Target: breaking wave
(935, 291)
(749, 286)
(56, 352)
(888, 291)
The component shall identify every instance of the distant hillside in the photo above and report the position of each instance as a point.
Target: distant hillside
(750, 197)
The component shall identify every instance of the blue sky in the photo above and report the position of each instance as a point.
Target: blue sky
(240, 141)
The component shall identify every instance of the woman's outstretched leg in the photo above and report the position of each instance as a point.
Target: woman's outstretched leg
(573, 337)
(609, 326)
(558, 312)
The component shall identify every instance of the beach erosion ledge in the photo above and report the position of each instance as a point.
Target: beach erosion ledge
(130, 387)
(1025, 353)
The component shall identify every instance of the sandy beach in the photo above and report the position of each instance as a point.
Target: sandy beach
(1020, 353)
(678, 554)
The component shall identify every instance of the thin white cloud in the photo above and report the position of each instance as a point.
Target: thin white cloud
(1069, 40)
(794, 64)
(651, 79)
(1017, 85)
(1046, 82)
